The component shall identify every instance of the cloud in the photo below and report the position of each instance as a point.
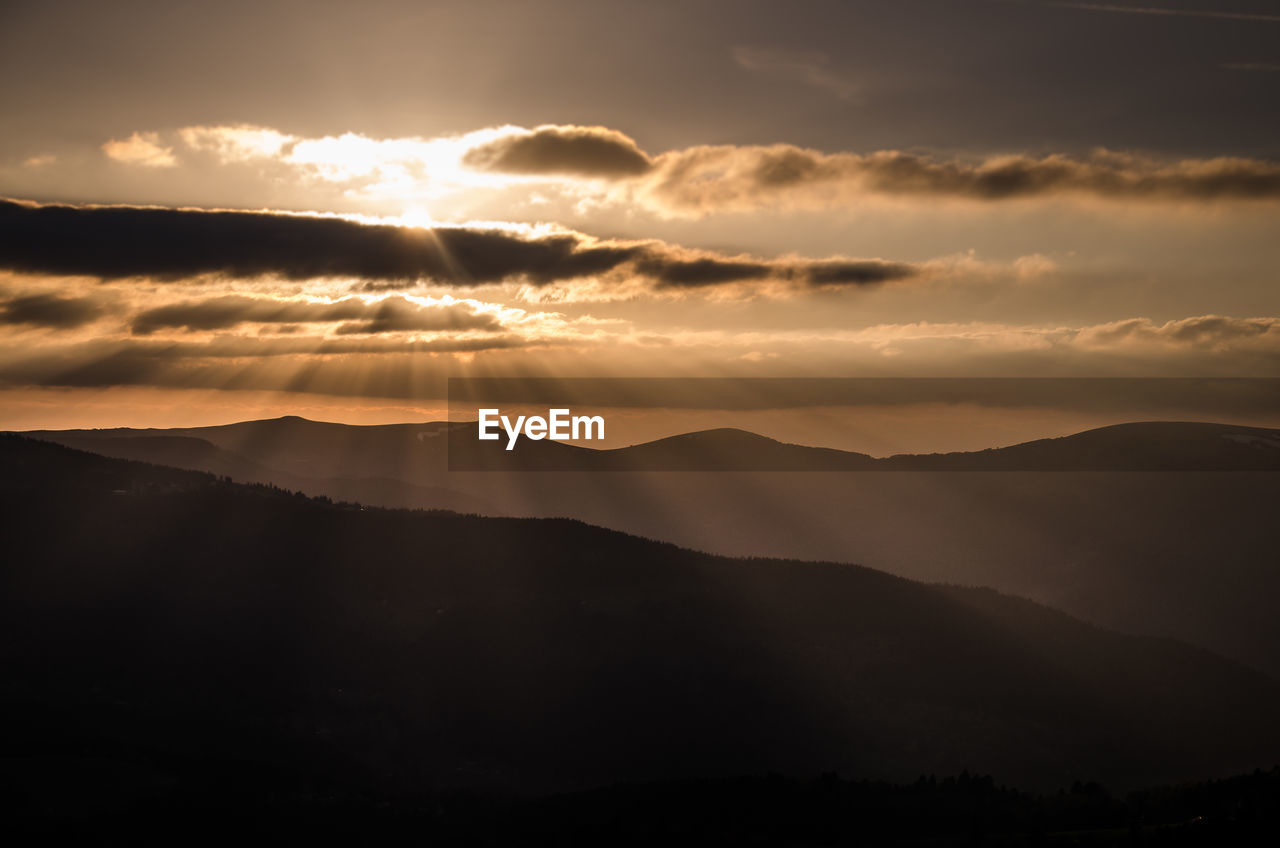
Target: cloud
(1212, 14)
(1200, 334)
(141, 149)
(410, 167)
(704, 179)
(805, 66)
(573, 150)
(392, 366)
(856, 273)
(1203, 332)
(727, 178)
(115, 242)
(672, 269)
(237, 142)
(333, 366)
(701, 180)
(685, 269)
(387, 315)
(47, 310)
(397, 314)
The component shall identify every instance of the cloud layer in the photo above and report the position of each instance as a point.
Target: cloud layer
(114, 242)
(392, 366)
(581, 151)
(702, 180)
(720, 178)
(356, 316)
(50, 310)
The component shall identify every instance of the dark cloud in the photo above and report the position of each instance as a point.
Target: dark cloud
(112, 242)
(389, 314)
(1104, 174)
(395, 314)
(222, 312)
(48, 310)
(581, 151)
(712, 179)
(237, 362)
(865, 272)
(169, 244)
(673, 268)
(726, 177)
(670, 270)
(1212, 14)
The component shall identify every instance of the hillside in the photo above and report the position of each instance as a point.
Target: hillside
(155, 618)
(199, 454)
(415, 452)
(1139, 446)
(1185, 554)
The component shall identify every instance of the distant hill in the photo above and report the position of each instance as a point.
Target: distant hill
(199, 454)
(155, 620)
(1185, 554)
(1143, 446)
(415, 451)
(297, 446)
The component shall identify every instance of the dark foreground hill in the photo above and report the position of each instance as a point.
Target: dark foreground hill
(166, 632)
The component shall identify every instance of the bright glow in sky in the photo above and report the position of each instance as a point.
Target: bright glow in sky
(693, 192)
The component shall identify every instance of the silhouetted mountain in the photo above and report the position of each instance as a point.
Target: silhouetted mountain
(313, 449)
(1144, 446)
(198, 454)
(416, 452)
(158, 620)
(179, 452)
(729, 449)
(1186, 554)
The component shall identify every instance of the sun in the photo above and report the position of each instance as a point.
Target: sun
(417, 215)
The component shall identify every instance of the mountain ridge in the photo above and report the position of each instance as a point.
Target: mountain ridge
(413, 648)
(1130, 446)
(1182, 554)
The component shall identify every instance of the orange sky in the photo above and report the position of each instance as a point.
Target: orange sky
(713, 195)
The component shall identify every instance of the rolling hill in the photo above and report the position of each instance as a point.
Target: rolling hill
(1186, 554)
(159, 620)
(416, 452)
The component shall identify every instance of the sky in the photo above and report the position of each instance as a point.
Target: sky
(214, 212)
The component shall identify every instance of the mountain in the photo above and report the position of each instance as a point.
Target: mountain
(1183, 554)
(170, 628)
(199, 454)
(1142, 446)
(728, 449)
(314, 449)
(415, 452)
